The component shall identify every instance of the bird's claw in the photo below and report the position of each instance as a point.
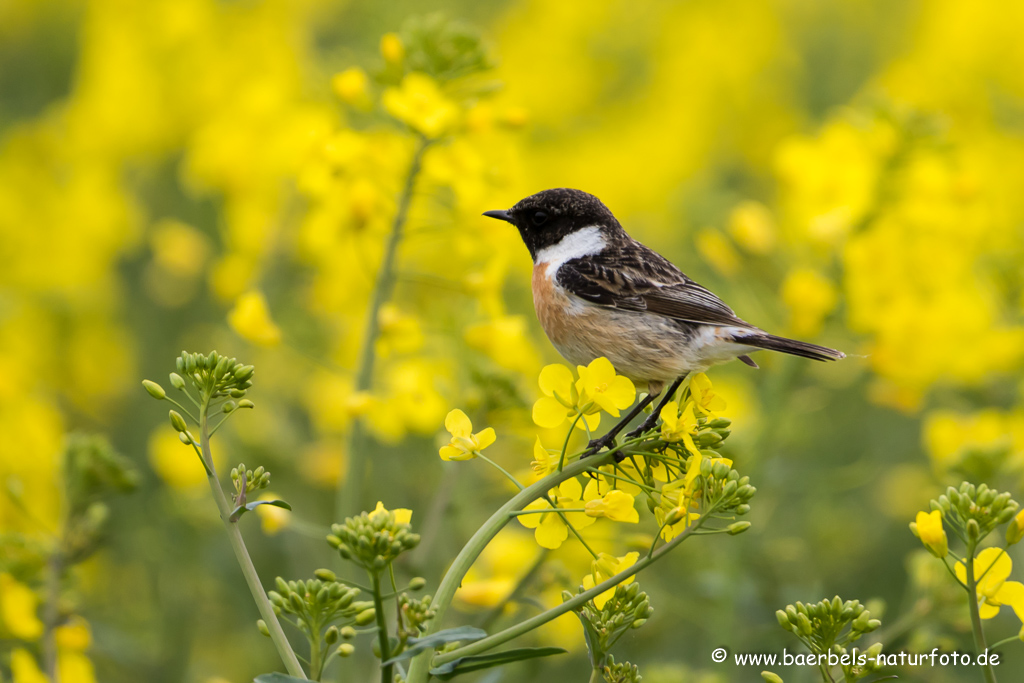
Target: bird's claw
(597, 445)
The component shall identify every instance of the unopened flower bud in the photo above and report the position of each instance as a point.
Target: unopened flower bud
(418, 583)
(177, 421)
(973, 530)
(325, 575)
(261, 626)
(1015, 531)
(346, 649)
(228, 407)
(770, 677)
(176, 381)
(154, 389)
(331, 635)
(246, 403)
(347, 632)
(738, 528)
(366, 617)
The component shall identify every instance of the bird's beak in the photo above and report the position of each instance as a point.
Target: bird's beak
(500, 215)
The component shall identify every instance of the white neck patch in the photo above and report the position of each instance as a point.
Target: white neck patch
(582, 242)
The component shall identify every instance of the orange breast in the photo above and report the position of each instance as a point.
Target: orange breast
(551, 305)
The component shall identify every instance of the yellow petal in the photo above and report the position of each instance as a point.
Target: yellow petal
(570, 488)
(987, 611)
(1012, 594)
(449, 452)
(458, 423)
(250, 318)
(551, 533)
(621, 391)
(549, 413)
(600, 370)
(485, 438)
(555, 378)
(403, 515)
(591, 422)
(532, 521)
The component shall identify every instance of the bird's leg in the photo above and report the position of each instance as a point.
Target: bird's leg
(609, 438)
(652, 419)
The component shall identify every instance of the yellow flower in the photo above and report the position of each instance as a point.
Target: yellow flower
(601, 385)
(679, 427)
(605, 567)
(615, 505)
(351, 86)
(549, 529)
(562, 400)
(928, 527)
(464, 444)
(402, 515)
(24, 668)
(751, 225)
(544, 462)
(716, 250)
(74, 635)
(992, 567)
(809, 296)
(272, 518)
(400, 333)
(391, 48)
(250, 318)
(18, 609)
(1015, 530)
(419, 102)
(704, 398)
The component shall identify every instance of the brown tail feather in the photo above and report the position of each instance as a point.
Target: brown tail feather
(791, 346)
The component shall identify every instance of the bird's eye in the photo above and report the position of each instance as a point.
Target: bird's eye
(540, 218)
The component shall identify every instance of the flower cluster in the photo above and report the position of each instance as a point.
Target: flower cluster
(828, 627)
(374, 539)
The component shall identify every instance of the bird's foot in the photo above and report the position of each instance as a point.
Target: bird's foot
(597, 445)
(647, 425)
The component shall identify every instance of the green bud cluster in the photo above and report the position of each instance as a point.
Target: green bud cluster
(372, 541)
(213, 374)
(315, 603)
(976, 511)
(254, 479)
(829, 626)
(628, 608)
(624, 672)
(723, 489)
(415, 613)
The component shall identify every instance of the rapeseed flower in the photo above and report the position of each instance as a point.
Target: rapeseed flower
(464, 445)
(605, 567)
(928, 527)
(676, 426)
(251, 319)
(549, 529)
(563, 400)
(419, 102)
(18, 605)
(615, 505)
(611, 392)
(705, 400)
(992, 568)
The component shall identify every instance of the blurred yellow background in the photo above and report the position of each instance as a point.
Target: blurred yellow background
(223, 174)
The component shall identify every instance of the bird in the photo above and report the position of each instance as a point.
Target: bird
(599, 292)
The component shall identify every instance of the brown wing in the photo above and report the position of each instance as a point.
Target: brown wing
(635, 278)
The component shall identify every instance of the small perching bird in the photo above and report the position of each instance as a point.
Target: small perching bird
(598, 292)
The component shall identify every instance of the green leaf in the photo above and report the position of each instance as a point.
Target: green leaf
(414, 646)
(278, 678)
(465, 665)
(242, 509)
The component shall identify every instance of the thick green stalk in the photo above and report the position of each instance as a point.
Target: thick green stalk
(519, 629)
(467, 556)
(596, 676)
(972, 596)
(348, 500)
(284, 648)
(387, 674)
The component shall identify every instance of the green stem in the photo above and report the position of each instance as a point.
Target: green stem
(284, 648)
(596, 676)
(348, 501)
(501, 469)
(387, 672)
(315, 660)
(979, 633)
(453, 577)
(519, 629)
